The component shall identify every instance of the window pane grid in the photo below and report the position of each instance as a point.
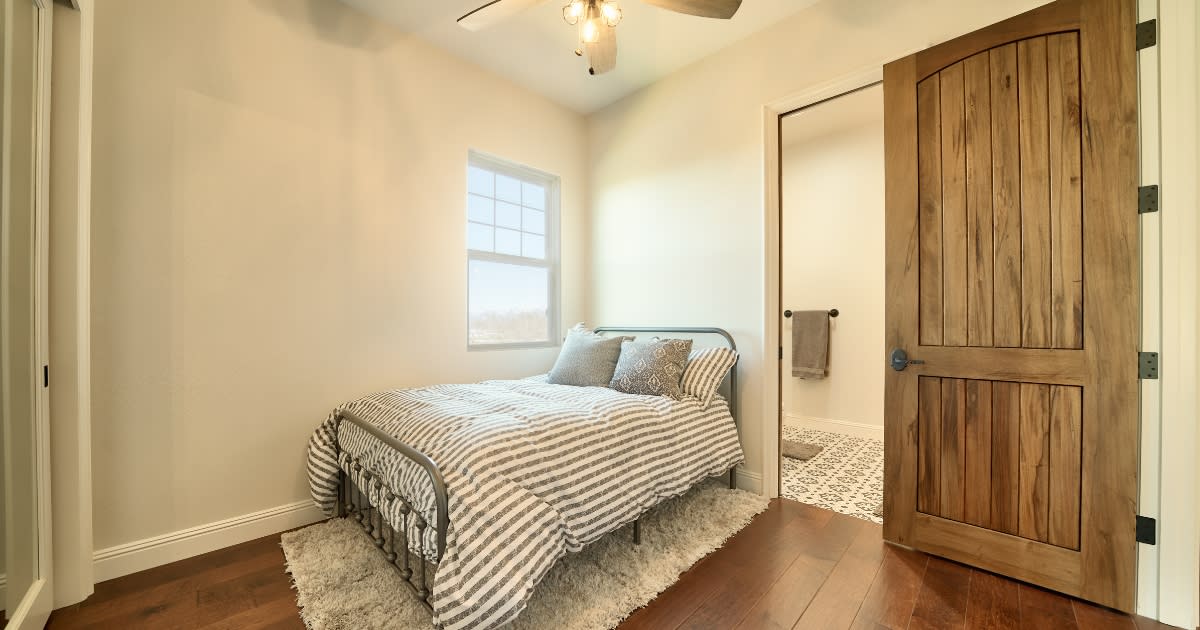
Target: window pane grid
(512, 255)
(501, 211)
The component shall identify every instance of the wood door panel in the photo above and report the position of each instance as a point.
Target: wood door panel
(1035, 193)
(954, 207)
(1002, 456)
(980, 254)
(1006, 197)
(929, 452)
(929, 157)
(1006, 455)
(1033, 478)
(1066, 191)
(1000, 192)
(953, 454)
(977, 504)
(1066, 435)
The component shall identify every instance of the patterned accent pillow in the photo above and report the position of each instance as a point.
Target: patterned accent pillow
(586, 359)
(706, 369)
(652, 368)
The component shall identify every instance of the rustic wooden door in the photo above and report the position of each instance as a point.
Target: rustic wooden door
(1012, 273)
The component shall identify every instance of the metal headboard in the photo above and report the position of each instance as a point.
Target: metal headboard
(728, 387)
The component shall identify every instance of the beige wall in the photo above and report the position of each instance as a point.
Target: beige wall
(677, 170)
(278, 209)
(833, 254)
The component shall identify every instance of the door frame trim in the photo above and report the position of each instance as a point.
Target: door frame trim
(35, 606)
(70, 323)
(772, 318)
(1179, 491)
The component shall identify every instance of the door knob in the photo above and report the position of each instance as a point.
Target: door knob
(899, 360)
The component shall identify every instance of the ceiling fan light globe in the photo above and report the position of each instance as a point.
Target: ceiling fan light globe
(589, 33)
(573, 11)
(610, 12)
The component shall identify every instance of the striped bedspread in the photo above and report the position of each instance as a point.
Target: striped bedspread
(532, 471)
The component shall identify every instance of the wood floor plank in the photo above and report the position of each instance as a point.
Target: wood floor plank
(992, 603)
(889, 603)
(748, 577)
(1097, 618)
(942, 602)
(698, 585)
(838, 600)
(837, 570)
(1044, 610)
(785, 601)
(276, 615)
(163, 604)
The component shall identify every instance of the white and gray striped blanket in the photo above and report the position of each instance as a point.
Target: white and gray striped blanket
(532, 471)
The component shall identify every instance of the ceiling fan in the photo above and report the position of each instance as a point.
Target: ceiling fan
(597, 21)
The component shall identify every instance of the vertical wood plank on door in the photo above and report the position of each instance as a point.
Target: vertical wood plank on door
(1066, 415)
(1006, 455)
(954, 206)
(929, 445)
(903, 280)
(977, 507)
(929, 191)
(1110, 404)
(1066, 190)
(954, 400)
(1035, 193)
(1033, 516)
(976, 81)
(1006, 196)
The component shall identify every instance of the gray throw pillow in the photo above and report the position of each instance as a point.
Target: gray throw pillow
(586, 359)
(652, 368)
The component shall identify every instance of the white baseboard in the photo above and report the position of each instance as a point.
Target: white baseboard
(854, 429)
(749, 480)
(148, 553)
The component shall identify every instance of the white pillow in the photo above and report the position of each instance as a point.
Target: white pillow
(705, 370)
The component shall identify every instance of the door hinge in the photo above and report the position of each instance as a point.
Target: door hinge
(1148, 365)
(1147, 199)
(1147, 530)
(1147, 34)
(780, 353)
(45, 376)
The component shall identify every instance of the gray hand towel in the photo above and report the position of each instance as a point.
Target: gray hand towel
(810, 344)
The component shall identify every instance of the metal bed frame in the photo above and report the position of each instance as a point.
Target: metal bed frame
(415, 568)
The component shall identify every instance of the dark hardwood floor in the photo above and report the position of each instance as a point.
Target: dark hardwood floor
(795, 566)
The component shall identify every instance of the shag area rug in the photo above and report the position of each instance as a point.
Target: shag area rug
(342, 581)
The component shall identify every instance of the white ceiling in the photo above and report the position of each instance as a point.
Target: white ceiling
(535, 47)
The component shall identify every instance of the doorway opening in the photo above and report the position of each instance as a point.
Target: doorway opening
(831, 321)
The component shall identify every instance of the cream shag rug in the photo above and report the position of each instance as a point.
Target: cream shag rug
(342, 581)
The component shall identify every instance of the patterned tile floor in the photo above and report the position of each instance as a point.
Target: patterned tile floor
(846, 476)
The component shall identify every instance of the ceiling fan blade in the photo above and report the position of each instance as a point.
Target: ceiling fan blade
(494, 12)
(602, 55)
(721, 9)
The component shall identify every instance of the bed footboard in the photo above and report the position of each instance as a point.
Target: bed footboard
(355, 503)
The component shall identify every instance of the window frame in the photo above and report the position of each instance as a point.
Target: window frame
(551, 263)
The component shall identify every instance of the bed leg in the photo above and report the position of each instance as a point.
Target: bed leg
(733, 478)
(637, 532)
(339, 505)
